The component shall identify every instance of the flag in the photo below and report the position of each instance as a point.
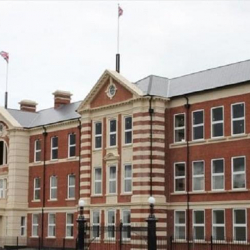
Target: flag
(120, 11)
(5, 56)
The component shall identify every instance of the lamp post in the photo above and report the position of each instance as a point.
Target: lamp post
(151, 220)
(81, 225)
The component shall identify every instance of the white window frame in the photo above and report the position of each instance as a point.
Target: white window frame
(53, 148)
(238, 173)
(112, 179)
(37, 150)
(53, 187)
(128, 179)
(69, 225)
(37, 189)
(128, 130)
(215, 225)
(238, 119)
(198, 125)
(112, 133)
(126, 224)
(217, 174)
(217, 122)
(71, 145)
(179, 177)
(51, 225)
(71, 186)
(35, 225)
(97, 135)
(180, 128)
(198, 176)
(239, 225)
(198, 224)
(23, 226)
(95, 224)
(97, 181)
(179, 225)
(111, 224)
(5, 151)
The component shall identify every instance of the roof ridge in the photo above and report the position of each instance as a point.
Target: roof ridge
(222, 66)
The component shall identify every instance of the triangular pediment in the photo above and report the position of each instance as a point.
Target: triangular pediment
(111, 88)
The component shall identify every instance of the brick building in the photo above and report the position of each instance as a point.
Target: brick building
(184, 141)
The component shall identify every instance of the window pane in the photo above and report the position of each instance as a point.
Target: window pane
(180, 169)
(128, 137)
(199, 217)
(197, 117)
(198, 132)
(98, 141)
(128, 123)
(98, 128)
(179, 121)
(72, 151)
(70, 219)
(126, 217)
(113, 126)
(238, 110)
(239, 164)
(218, 217)
(198, 167)
(240, 233)
(112, 139)
(55, 142)
(217, 129)
(239, 181)
(218, 182)
(180, 217)
(199, 233)
(128, 171)
(238, 127)
(54, 154)
(218, 166)
(180, 185)
(72, 139)
(179, 135)
(217, 114)
(112, 172)
(240, 216)
(180, 232)
(218, 233)
(96, 217)
(98, 189)
(98, 174)
(198, 183)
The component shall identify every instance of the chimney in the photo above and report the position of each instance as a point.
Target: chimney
(61, 98)
(27, 105)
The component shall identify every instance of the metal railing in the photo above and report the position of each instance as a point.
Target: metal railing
(208, 244)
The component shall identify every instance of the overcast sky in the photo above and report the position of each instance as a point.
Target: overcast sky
(67, 45)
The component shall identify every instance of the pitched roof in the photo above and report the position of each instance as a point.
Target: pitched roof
(46, 116)
(195, 82)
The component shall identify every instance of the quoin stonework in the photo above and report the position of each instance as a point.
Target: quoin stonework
(185, 141)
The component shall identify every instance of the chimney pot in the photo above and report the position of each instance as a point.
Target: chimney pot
(61, 98)
(28, 105)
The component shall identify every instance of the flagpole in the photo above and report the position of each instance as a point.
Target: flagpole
(6, 89)
(118, 41)
(118, 31)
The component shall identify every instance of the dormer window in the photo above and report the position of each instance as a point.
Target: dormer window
(3, 153)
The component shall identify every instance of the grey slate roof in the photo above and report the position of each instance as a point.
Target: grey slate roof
(153, 85)
(195, 82)
(46, 116)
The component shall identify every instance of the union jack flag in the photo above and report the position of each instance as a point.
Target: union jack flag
(120, 11)
(5, 56)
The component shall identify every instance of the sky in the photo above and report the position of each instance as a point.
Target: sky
(67, 45)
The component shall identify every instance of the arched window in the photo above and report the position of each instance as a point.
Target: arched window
(3, 153)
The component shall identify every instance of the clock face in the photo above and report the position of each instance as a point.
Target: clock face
(112, 90)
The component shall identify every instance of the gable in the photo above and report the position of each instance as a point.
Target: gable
(102, 98)
(7, 119)
(99, 95)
